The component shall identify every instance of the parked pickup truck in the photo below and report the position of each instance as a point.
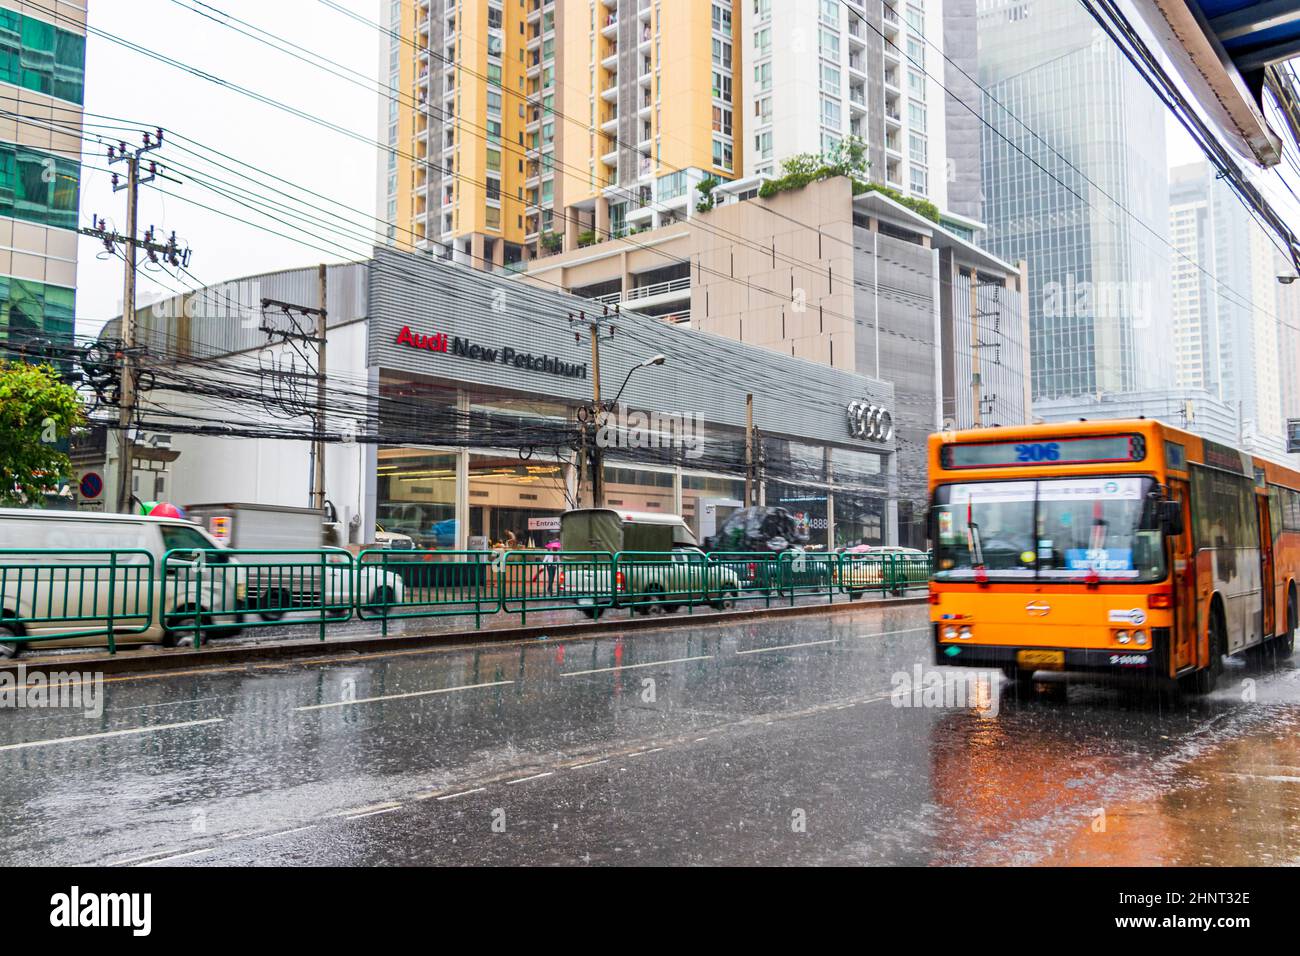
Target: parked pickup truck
(650, 583)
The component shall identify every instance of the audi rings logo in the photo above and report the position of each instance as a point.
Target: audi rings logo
(870, 422)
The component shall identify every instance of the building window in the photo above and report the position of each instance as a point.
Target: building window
(721, 53)
(763, 41)
(38, 56)
(919, 180)
(830, 79)
(763, 77)
(722, 86)
(831, 113)
(830, 12)
(722, 154)
(722, 20)
(918, 148)
(762, 9)
(722, 120)
(763, 145)
(38, 187)
(763, 109)
(32, 311)
(828, 43)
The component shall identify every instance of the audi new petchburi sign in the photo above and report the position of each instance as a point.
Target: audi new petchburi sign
(870, 422)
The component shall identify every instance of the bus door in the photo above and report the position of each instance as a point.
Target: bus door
(1183, 578)
(1267, 594)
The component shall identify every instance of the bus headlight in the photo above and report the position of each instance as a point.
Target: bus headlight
(964, 634)
(1139, 637)
(950, 633)
(1122, 637)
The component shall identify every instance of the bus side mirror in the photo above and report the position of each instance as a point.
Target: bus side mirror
(1171, 513)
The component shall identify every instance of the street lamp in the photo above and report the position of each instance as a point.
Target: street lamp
(596, 453)
(653, 360)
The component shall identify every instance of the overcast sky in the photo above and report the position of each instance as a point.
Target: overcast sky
(126, 84)
(122, 83)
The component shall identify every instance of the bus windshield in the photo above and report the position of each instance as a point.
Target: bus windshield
(1066, 529)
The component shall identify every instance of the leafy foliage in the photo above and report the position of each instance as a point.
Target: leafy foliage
(36, 410)
(705, 187)
(849, 159)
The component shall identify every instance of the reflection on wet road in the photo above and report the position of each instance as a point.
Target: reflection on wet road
(760, 742)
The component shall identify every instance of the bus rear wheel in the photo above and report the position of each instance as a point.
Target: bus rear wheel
(1284, 644)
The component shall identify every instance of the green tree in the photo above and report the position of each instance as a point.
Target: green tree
(705, 187)
(37, 409)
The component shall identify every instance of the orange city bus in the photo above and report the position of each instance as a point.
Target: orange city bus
(1109, 546)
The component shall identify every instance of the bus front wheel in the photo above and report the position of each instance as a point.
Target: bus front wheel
(1207, 678)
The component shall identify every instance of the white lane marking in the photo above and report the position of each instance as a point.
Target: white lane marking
(416, 693)
(280, 833)
(373, 813)
(628, 667)
(143, 856)
(653, 750)
(362, 811)
(111, 733)
(1270, 777)
(463, 793)
(593, 763)
(786, 647)
(536, 776)
(180, 856)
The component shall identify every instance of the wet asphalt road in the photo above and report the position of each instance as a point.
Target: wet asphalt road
(728, 743)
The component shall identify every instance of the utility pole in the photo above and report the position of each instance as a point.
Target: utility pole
(597, 453)
(316, 337)
(749, 451)
(318, 474)
(170, 252)
(977, 405)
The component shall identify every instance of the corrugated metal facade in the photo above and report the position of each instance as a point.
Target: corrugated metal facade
(227, 317)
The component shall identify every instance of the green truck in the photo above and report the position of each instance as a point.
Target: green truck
(660, 568)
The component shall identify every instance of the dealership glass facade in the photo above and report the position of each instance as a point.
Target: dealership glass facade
(510, 470)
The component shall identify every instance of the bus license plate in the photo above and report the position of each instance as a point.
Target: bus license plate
(1043, 660)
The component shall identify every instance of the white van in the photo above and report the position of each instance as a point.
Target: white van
(56, 579)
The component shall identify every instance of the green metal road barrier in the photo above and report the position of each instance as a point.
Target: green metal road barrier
(71, 594)
(807, 573)
(910, 571)
(862, 573)
(394, 585)
(216, 592)
(755, 572)
(659, 582)
(54, 594)
(555, 580)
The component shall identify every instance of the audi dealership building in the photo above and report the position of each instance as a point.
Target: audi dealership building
(453, 404)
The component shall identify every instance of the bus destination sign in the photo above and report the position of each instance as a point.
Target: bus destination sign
(1088, 450)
